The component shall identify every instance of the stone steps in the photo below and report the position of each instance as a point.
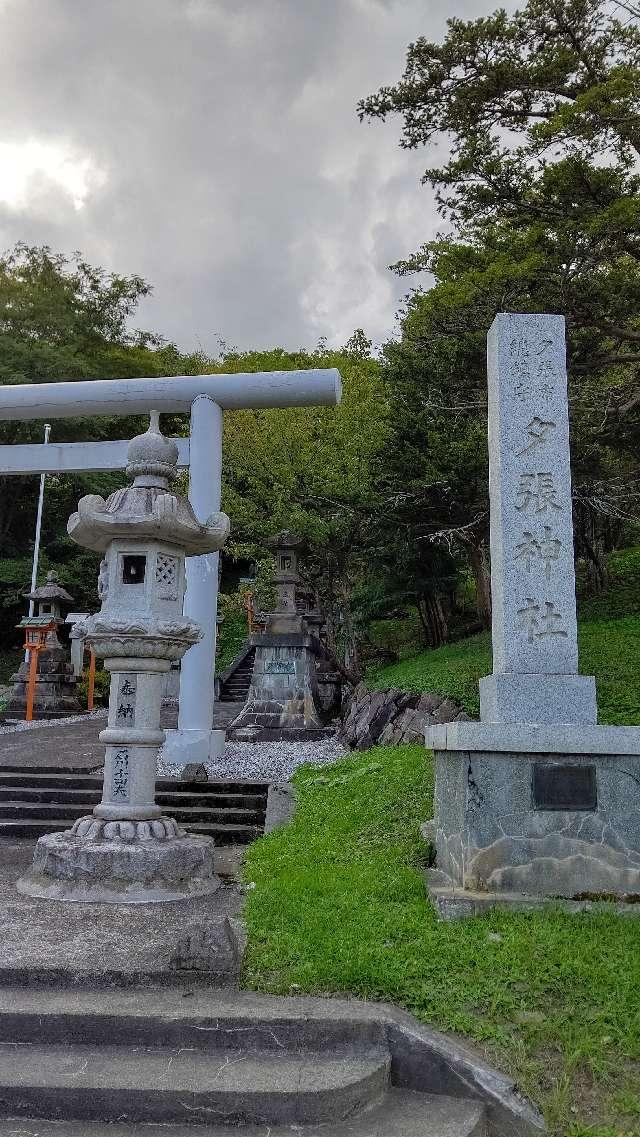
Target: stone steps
(222, 834)
(170, 800)
(235, 686)
(68, 812)
(86, 1063)
(26, 776)
(402, 1113)
(32, 804)
(112, 1083)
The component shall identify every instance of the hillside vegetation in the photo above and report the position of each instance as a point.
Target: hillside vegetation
(609, 647)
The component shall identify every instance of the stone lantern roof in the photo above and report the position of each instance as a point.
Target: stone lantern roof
(147, 510)
(285, 540)
(51, 590)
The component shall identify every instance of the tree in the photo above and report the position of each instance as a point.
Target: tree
(62, 319)
(542, 112)
(312, 470)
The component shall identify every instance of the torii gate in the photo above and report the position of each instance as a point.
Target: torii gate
(206, 396)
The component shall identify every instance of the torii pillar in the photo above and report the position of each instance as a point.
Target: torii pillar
(206, 396)
(195, 740)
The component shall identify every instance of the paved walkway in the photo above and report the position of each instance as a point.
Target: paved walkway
(73, 747)
(97, 940)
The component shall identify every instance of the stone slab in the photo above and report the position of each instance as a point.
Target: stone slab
(281, 805)
(538, 698)
(45, 941)
(534, 738)
(463, 904)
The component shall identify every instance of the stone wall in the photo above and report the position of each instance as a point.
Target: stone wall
(390, 717)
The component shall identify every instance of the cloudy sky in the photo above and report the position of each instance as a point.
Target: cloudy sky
(213, 147)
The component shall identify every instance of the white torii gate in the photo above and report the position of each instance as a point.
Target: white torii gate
(206, 396)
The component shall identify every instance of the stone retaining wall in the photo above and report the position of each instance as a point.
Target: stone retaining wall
(390, 717)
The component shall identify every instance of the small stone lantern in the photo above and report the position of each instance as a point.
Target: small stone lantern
(54, 686)
(50, 597)
(127, 850)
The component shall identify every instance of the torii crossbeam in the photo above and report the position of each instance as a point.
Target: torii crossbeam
(206, 397)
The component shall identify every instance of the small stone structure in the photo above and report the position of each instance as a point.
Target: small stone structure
(536, 799)
(295, 609)
(127, 851)
(55, 693)
(294, 689)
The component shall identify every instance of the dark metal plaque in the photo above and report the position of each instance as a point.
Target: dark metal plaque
(559, 785)
(280, 667)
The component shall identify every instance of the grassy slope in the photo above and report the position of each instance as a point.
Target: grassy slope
(609, 641)
(339, 905)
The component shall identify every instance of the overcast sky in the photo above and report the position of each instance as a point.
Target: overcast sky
(212, 146)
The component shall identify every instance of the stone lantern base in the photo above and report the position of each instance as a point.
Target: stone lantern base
(121, 862)
(55, 693)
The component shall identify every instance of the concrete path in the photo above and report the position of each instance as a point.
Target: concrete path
(73, 746)
(98, 942)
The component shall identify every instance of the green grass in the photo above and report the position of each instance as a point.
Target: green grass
(608, 640)
(339, 906)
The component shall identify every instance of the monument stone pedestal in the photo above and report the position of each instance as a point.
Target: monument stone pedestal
(536, 801)
(284, 695)
(537, 810)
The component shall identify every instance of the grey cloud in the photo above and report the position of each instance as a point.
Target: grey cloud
(238, 180)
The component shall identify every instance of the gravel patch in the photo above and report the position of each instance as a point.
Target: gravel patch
(268, 761)
(14, 727)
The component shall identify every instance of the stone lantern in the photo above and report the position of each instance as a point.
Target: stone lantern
(50, 597)
(293, 691)
(55, 681)
(127, 850)
(295, 609)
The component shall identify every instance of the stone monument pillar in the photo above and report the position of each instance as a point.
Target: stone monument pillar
(535, 647)
(55, 693)
(536, 799)
(127, 851)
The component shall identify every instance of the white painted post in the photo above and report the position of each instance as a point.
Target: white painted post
(36, 543)
(195, 740)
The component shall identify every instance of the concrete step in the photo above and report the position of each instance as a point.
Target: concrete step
(27, 778)
(174, 798)
(402, 1113)
(213, 800)
(115, 1083)
(48, 794)
(223, 834)
(175, 1043)
(63, 812)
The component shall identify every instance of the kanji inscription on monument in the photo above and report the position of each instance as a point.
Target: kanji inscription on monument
(120, 775)
(126, 705)
(532, 568)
